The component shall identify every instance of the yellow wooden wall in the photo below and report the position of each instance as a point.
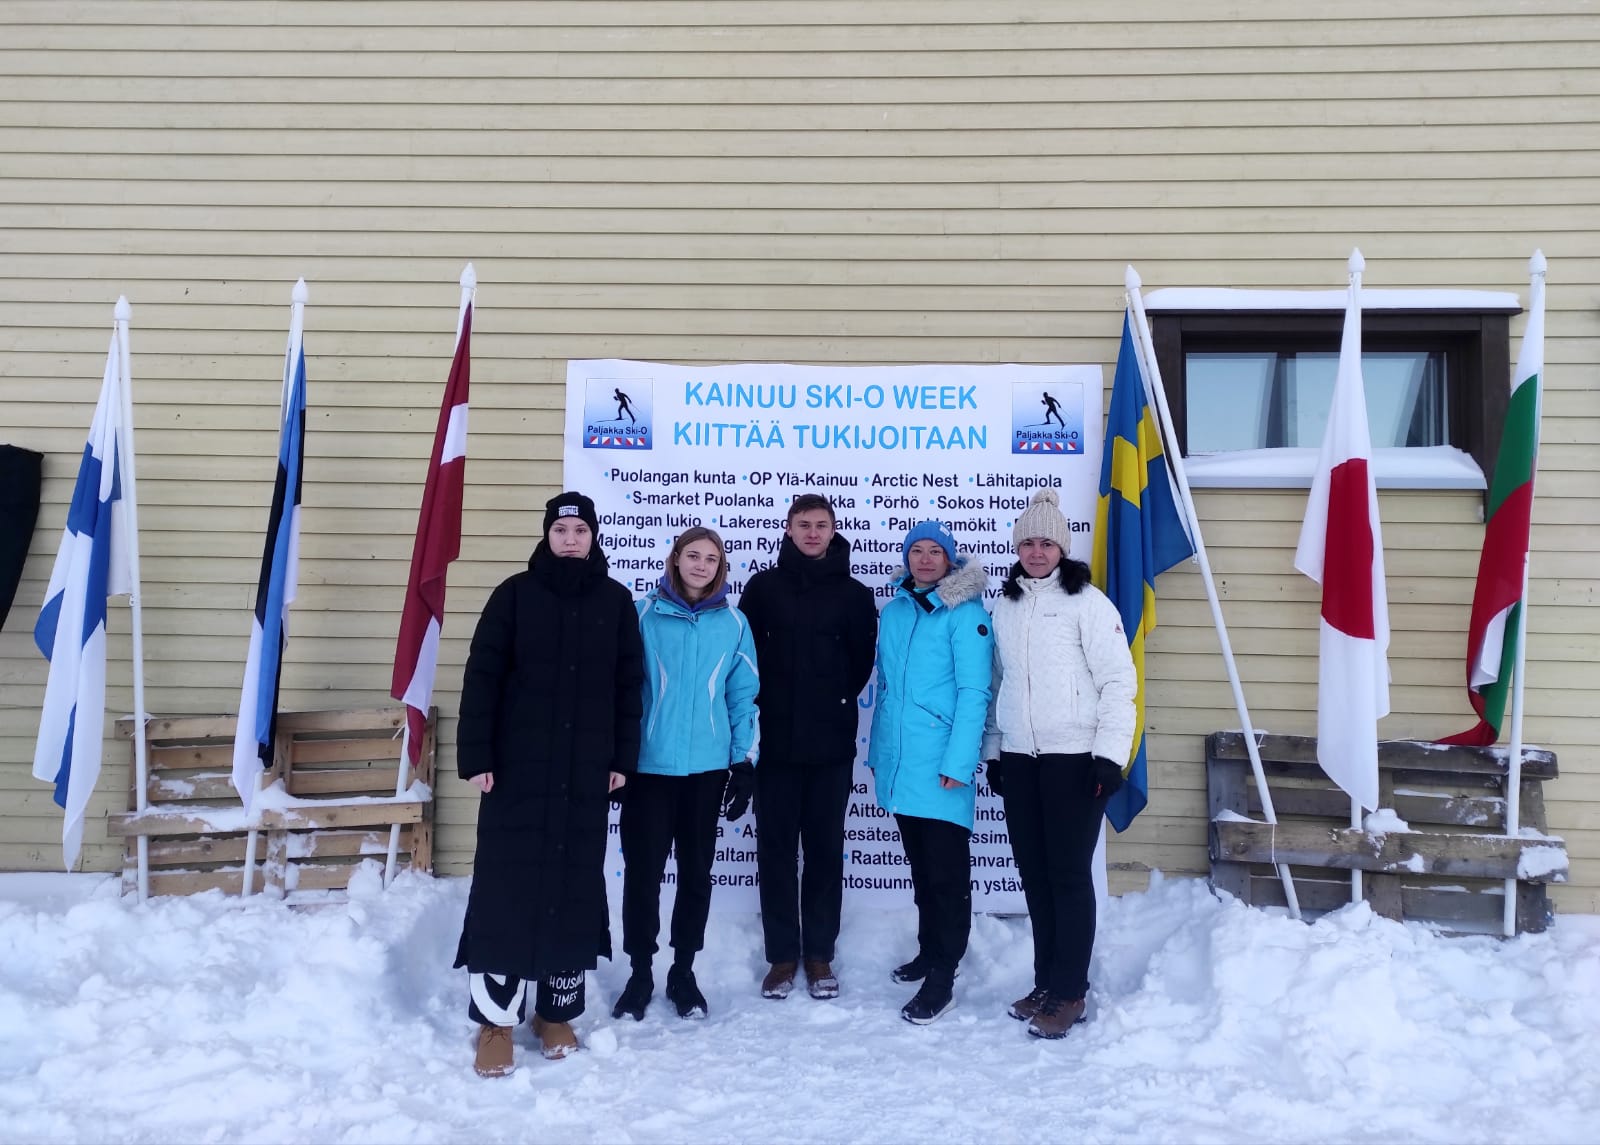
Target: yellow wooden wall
(728, 180)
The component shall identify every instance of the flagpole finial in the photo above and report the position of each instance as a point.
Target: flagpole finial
(469, 278)
(1536, 264)
(1357, 263)
(1130, 279)
(300, 294)
(123, 311)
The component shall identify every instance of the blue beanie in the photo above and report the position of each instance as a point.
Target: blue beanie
(935, 531)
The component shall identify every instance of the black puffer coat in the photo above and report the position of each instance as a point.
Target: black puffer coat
(550, 704)
(816, 633)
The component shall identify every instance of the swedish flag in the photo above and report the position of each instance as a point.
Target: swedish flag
(1138, 534)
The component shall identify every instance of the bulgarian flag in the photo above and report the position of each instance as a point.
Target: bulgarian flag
(438, 540)
(1341, 548)
(1496, 624)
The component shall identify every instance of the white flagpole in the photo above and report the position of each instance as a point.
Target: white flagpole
(1156, 395)
(1357, 265)
(469, 290)
(130, 509)
(297, 324)
(1508, 923)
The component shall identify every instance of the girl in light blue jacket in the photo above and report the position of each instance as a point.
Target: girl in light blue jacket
(935, 654)
(696, 761)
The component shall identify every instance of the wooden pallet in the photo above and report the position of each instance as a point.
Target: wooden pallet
(327, 803)
(1449, 869)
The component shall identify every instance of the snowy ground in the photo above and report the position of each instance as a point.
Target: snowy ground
(205, 1019)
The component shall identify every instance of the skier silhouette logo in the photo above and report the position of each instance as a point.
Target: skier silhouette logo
(623, 407)
(1052, 409)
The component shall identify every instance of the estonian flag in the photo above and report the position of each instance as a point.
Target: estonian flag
(275, 591)
(92, 565)
(1138, 534)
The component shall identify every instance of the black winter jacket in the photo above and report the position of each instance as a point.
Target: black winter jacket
(816, 633)
(550, 704)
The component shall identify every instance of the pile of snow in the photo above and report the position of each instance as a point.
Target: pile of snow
(212, 1019)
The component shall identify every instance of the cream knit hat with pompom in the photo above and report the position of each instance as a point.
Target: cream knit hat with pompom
(1042, 518)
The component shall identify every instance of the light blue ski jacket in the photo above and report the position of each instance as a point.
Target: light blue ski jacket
(700, 685)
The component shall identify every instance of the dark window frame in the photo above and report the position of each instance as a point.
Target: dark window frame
(1476, 344)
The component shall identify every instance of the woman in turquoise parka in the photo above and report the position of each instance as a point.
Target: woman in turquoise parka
(935, 652)
(696, 762)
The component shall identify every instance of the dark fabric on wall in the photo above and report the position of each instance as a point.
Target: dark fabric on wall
(21, 471)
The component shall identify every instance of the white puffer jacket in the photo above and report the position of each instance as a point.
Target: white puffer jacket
(1063, 676)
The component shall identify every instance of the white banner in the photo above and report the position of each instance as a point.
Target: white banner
(662, 448)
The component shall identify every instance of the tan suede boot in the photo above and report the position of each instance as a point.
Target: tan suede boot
(494, 1052)
(1055, 1016)
(556, 1039)
(779, 980)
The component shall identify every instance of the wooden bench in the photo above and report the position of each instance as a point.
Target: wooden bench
(326, 806)
(1448, 869)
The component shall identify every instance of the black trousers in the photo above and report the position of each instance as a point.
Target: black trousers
(1054, 822)
(502, 999)
(661, 813)
(940, 854)
(801, 808)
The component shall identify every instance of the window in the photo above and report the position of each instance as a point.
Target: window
(1251, 372)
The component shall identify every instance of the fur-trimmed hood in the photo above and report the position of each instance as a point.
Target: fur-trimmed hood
(965, 581)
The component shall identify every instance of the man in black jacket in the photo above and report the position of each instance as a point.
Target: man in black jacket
(816, 630)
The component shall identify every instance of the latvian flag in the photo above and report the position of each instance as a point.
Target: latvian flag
(438, 543)
(280, 573)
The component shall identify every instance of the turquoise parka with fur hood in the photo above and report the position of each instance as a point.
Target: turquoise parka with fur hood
(935, 654)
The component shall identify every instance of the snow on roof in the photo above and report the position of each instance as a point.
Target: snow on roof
(1228, 298)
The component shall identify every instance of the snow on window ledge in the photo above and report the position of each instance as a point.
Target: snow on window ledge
(1419, 467)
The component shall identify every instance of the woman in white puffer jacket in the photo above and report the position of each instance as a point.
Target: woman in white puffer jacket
(1059, 732)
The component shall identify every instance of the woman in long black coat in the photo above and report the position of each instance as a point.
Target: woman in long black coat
(550, 717)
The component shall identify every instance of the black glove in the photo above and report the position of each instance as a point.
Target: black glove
(993, 775)
(1105, 778)
(741, 785)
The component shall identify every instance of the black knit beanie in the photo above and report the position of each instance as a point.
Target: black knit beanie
(571, 505)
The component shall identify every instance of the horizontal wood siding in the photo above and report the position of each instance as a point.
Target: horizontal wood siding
(722, 180)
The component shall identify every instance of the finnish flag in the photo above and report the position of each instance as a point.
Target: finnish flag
(275, 590)
(92, 565)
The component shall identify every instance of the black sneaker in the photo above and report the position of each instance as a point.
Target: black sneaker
(915, 970)
(684, 993)
(635, 996)
(930, 1002)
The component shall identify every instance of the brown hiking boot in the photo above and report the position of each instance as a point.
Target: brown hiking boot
(1056, 1015)
(494, 1051)
(820, 980)
(556, 1039)
(1028, 1005)
(779, 980)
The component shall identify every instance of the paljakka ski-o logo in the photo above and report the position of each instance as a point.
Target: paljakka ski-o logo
(1047, 417)
(617, 413)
